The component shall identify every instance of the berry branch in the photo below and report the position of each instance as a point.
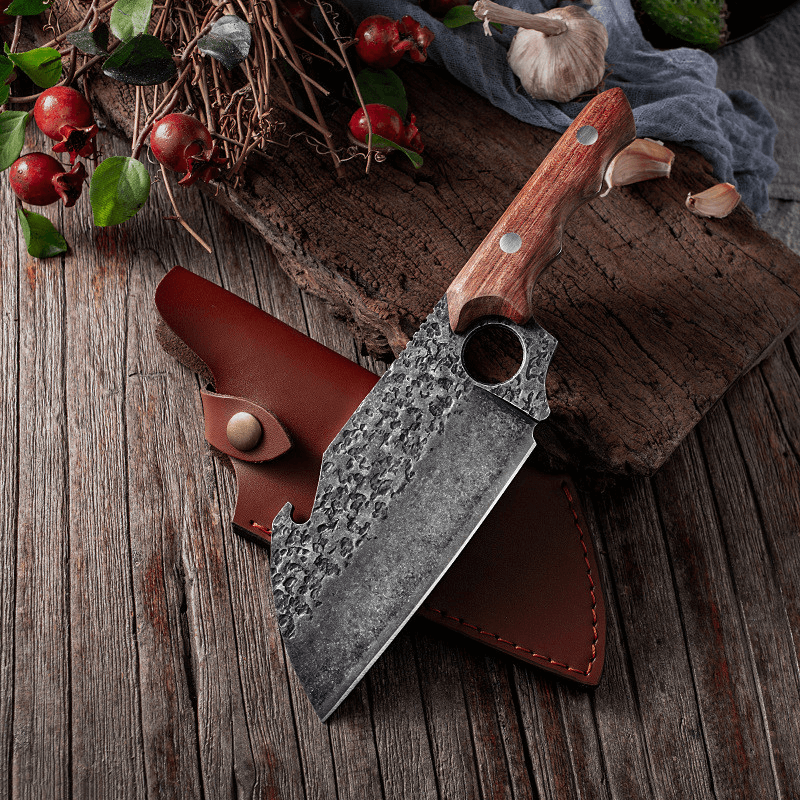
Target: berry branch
(210, 82)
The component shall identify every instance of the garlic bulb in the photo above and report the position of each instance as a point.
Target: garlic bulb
(641, 160)
(718, 201)
(557, 55)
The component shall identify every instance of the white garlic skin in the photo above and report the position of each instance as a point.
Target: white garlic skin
(642, 160)
(716, 202)
(560, 68)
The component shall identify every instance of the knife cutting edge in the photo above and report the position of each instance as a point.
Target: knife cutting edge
(426, 455)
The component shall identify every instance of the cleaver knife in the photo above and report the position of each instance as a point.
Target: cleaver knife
(424, 458)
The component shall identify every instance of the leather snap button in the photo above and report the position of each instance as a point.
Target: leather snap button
(244, 431)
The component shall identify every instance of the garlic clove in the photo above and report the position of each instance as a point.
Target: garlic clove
(641, 160)
(718, 201)
(562, 66)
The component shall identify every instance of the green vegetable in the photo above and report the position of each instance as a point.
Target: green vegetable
(696, 22)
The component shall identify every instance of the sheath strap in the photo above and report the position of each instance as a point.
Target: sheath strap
(222, 413)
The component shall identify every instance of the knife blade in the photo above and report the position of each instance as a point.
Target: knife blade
(426, 455)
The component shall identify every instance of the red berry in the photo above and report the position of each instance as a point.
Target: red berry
(386, 122)
(5, 18)
(182, 143)
(382, 41)
(64, 115)
(40, 180)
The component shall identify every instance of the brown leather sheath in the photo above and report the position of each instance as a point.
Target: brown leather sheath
(527, 583)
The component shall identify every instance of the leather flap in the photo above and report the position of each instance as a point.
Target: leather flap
(219, 410)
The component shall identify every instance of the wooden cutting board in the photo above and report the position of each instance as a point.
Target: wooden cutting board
(657, 311)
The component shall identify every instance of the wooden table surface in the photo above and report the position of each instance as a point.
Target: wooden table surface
(139, 654)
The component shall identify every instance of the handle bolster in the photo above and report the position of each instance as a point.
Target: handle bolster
(462, 316)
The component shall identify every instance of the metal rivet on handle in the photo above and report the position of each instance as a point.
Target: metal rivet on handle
(510, 242)
(244, 431)
(586, 135)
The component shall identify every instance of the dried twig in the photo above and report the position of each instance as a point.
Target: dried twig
(178, 215)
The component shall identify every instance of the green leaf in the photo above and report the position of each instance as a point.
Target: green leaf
(26, 8)
(93, 42)
(42, 65)
(383, 86)
(12, 136)
(143, 61)
(130, 18)
(458, 16)
(380, 141)
(228, 41)
(41, 237)
(120, 187)
(6, 68)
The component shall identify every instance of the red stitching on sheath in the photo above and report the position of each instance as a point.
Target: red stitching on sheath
(531, 653)
(263, 530)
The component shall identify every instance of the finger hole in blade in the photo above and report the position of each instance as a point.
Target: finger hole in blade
(492, 354)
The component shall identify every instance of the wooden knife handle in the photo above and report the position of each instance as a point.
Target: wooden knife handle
(498, 279)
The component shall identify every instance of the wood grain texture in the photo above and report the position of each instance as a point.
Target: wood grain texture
(657, 312)
(139, 633)
(498, 278)
(43, 674)
(107, 755)
(10, 260)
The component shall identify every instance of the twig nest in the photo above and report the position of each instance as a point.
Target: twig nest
(560, 66)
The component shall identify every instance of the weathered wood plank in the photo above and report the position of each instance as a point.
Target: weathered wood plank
(650, 624)
(618, 715)
(398, 722)
(774, 471)
(107, 757)
(759, 466)
(546, 741)
(727, 694)
(41, 675)
(498, 741)
(12, 254)
(447, 719)
(396, 243)
(771, 649)
(159, 506)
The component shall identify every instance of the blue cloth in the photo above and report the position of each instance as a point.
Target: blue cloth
(673, 93)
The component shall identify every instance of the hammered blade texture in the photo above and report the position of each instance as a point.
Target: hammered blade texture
(402, 488)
